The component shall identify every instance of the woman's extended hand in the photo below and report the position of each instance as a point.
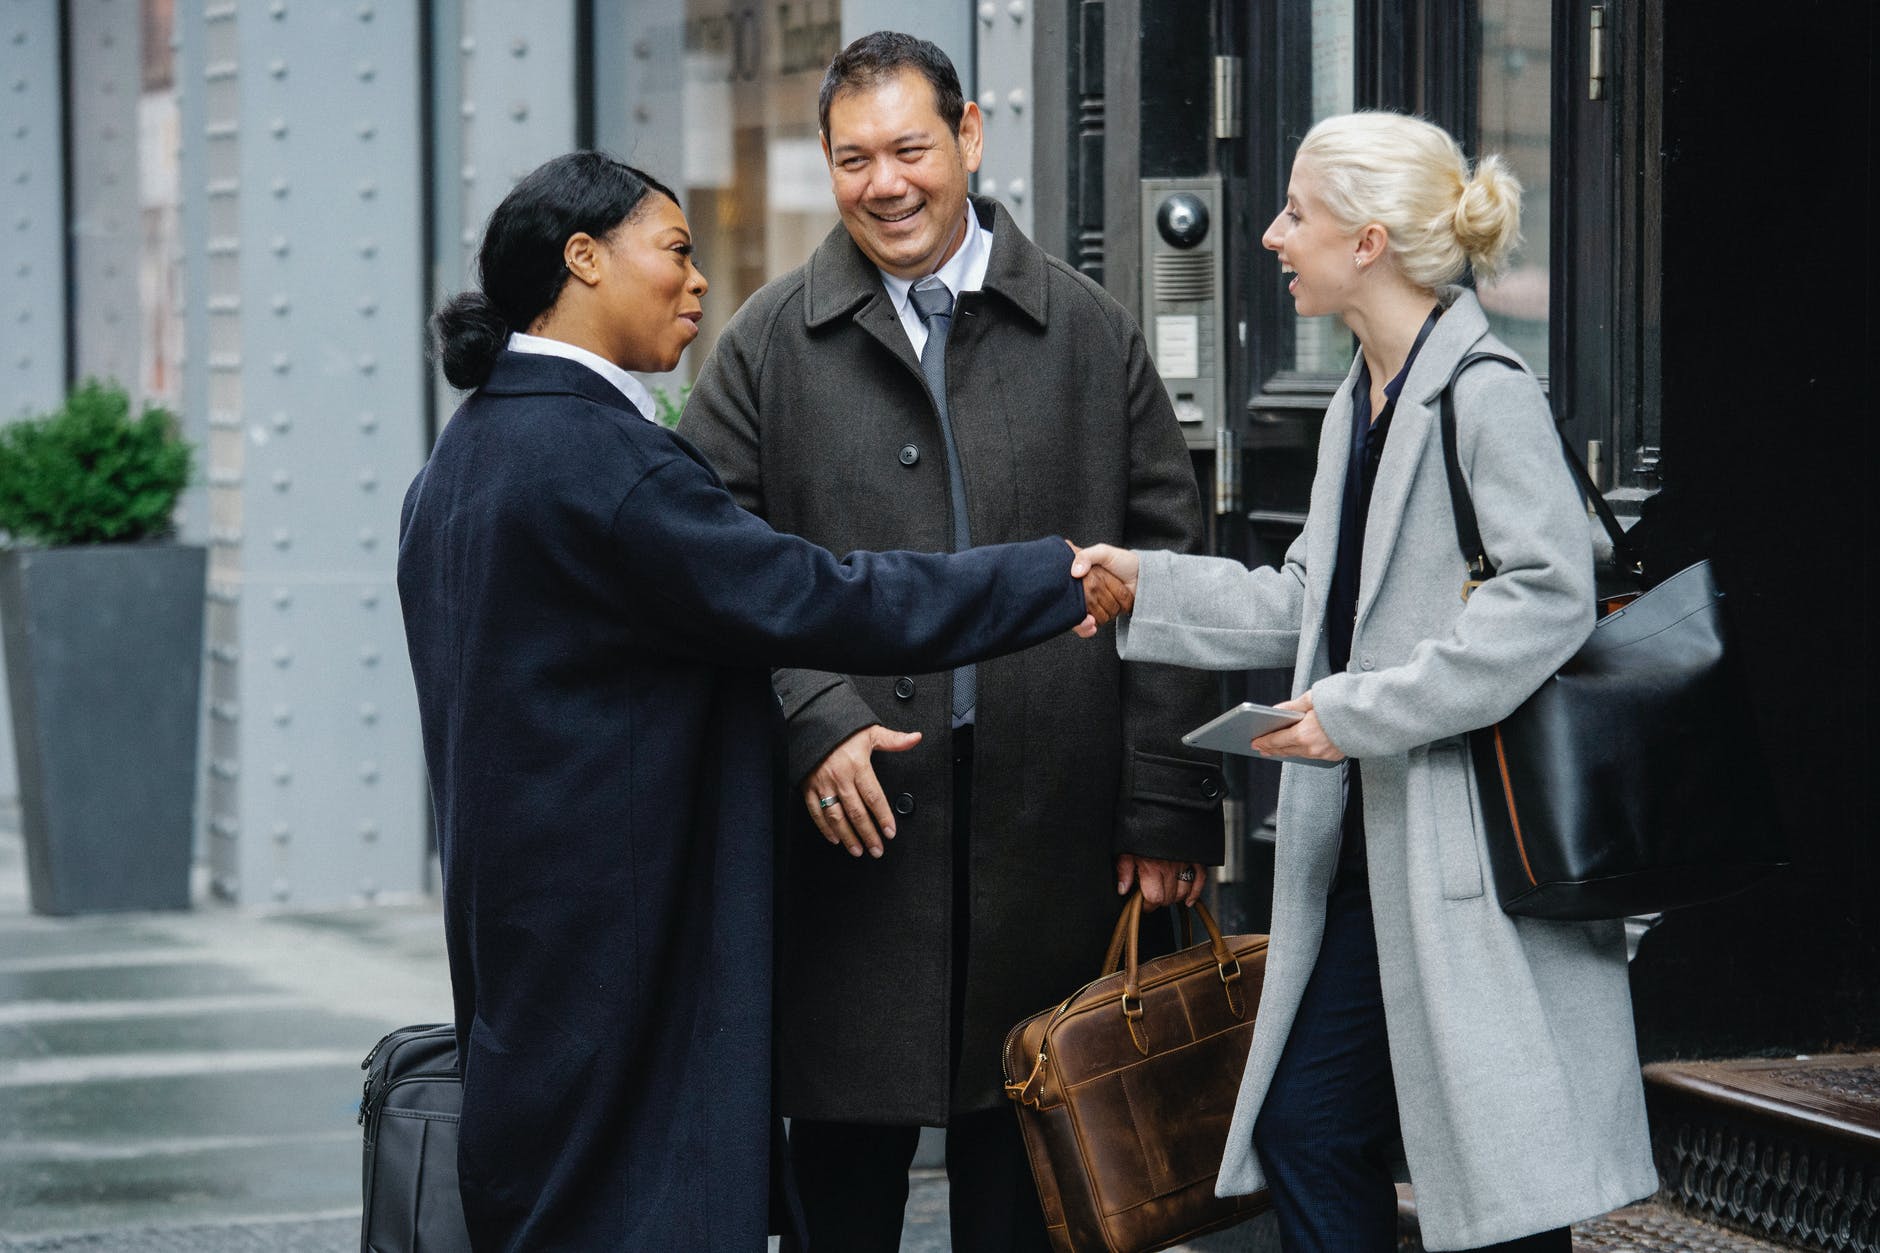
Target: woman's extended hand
(1304, 738)
(1109, 576)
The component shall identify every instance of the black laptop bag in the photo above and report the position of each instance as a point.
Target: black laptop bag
(413, 1098)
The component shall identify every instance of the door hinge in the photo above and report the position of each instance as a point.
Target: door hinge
(1232, 870)
(1226, 470)
(1596, 55)
(1227, 97)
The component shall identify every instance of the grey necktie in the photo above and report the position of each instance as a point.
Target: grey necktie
(934, 303)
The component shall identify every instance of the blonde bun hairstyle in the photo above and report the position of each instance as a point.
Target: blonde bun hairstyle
(1411, 178)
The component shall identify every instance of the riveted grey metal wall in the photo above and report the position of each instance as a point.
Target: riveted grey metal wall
(639, 83)
(1003, 31)
(310, 274)
(193, 522)
(209, 86)
(32, 238)
(32, 233)
(104, 56)
(517, 106)
(504, 101)
(191, 57)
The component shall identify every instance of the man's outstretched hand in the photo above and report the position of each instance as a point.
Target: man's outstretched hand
(1106, 595)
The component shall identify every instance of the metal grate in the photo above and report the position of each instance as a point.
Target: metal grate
(1787, 1149)
(1184, 276)
(1755, 1179)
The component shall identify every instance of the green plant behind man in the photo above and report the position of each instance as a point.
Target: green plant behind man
(91, 473)
(667, 410)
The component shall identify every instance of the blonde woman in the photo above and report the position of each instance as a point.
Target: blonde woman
(1403, 1011)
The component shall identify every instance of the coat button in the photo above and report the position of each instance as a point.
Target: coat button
(1367, 663)
(909, 454)
(1210, 786)
(904, 803)
(904, 688)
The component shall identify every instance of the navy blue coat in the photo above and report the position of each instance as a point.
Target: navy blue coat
(591, 622)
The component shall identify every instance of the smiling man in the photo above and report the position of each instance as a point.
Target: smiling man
(932, 380)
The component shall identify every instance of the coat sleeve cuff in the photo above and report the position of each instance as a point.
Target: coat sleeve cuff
(818, 719)
(1172, 809)
(1332, 701)
(1136, 631)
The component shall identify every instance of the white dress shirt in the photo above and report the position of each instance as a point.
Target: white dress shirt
(964, 271)
(628, 386)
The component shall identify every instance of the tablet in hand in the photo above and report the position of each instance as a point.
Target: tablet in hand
(1235, 731)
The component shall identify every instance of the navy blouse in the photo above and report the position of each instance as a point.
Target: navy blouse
(1367, 450)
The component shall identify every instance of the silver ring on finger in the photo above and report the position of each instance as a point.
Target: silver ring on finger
(1187, 875)
(824, 802)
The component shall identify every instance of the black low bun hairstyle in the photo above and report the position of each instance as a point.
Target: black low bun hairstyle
(469, 331)
(520, 267)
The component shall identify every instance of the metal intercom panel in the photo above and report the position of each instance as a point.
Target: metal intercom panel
(1183, 302)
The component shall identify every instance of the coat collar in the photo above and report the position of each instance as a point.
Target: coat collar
(534, 374)
(840, 279)
(1454, 336)
(1456, 333)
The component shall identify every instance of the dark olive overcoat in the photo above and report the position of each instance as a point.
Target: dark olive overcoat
(591, 621)
(813, 408)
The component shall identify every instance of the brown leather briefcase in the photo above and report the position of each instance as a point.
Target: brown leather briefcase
(1124, 1092)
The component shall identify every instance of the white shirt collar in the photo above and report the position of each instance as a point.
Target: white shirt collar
(965, 270)
(628, 386)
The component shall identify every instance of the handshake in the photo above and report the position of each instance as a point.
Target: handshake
(1109, 578)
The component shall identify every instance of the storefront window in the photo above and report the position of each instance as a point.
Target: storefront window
(754, 182)
(1515, 99)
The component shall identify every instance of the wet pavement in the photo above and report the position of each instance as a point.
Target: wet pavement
(189, 1080)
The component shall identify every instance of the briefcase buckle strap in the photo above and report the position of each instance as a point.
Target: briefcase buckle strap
(1230, 980)
(1031, 1090)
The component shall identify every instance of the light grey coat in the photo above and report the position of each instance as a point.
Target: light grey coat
(1511, 1039)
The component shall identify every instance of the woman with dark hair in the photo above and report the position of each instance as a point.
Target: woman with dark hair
(591, 623)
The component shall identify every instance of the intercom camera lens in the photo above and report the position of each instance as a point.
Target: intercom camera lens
(1182, 219)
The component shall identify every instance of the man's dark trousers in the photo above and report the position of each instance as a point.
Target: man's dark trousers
(852, 1177)
(1327, 1135)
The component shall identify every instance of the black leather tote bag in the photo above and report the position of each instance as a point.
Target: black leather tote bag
(1627, 784)
(413, 1098)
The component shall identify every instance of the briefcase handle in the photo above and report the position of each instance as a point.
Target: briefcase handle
(1113, 956)
(1123, 943)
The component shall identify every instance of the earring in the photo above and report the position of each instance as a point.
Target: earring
(1358, 261)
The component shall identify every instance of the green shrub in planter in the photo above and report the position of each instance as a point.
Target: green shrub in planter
(103, 620)
(91, 473)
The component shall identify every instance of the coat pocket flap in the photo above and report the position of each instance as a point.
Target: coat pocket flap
(1175, 781)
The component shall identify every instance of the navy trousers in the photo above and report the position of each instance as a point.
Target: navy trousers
(1327, 1134)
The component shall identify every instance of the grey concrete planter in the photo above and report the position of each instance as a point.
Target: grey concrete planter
(104, 661)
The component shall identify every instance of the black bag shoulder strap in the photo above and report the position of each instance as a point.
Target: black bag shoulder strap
(1468, 533)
